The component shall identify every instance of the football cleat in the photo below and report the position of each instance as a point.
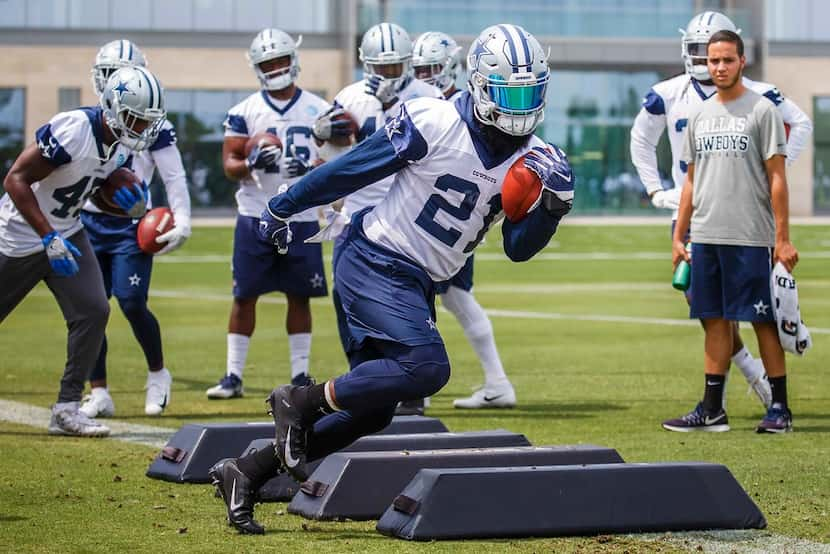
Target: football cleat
(760, 386)
(698, 420)
(229, 387)
(489, 396)
(302, 380)
(779, 419)
(67, 419)
(290, 432)
(98, 403)
(236, 489)
(158, 391)
(412, 407)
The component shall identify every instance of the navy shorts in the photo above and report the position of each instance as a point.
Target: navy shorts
(110, 233)
(125, 268)
(258, 269)
(383, 295)
(462, 280)
(731, 282)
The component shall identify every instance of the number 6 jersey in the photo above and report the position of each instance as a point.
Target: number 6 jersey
(72, 142)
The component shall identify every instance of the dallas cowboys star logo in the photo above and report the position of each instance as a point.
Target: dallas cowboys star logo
(316, 281)
(431, 324)
(445, 42)
(135, 280)
(480, 50)
(760, 308)
(122, 89)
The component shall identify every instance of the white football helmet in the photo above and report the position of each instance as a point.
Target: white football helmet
(113, 56)
(696, 37)
(387, 44)
(436, 58)
(270, 44)
(133, 104)
(508, 78)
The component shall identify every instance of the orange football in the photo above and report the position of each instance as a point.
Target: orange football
(520, 189)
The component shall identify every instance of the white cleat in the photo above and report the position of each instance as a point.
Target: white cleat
(158, 391)
(760, 386)
(67, 419)
(98, 403)
(489, 396)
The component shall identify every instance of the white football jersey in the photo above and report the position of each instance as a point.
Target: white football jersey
(370, 116)
(72, 142)
(668, 105)
(439, 207)
(291, 121)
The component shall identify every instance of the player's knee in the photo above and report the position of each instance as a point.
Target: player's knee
(133, 306)
(429, 365)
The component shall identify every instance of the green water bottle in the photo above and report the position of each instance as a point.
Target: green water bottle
(682, 273)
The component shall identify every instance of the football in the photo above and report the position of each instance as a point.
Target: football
(155, 223)
(102, 196)
(268, 138)
(339, 140)
(520, 189)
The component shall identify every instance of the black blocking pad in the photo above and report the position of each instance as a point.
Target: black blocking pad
(193, 449)
(283, 487)
(361, 485)
(569, 500)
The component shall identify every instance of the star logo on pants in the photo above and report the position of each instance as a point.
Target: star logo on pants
(760, 308)
(431, 324)
(135, 280)
(316, 281)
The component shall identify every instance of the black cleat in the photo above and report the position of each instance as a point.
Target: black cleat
(291, 441)
(236, 490)
(411, 407)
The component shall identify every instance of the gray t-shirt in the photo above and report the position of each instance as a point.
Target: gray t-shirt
(728, 145)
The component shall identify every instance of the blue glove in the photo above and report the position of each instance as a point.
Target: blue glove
(263, 156)
(274, 230)
(380, 88)
(551, 165)
(132, 199)
(294, 165)
(61, 254)
(326, 126)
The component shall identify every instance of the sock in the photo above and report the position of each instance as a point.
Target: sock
(749, 366)
(237, 353)
(299, 345)
(99, 391)
(779, 390)
(260, 466)
(713, 397)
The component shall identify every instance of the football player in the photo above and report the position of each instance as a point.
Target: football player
(667, 107)
(42, 237)
(285, 110)
(126, 269)
(436, 60)
(447, 161)
(386, 53)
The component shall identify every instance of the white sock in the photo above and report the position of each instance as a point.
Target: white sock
(99, 391)
(749, 366)
(299, 346)
(478, 330)
(237, 353)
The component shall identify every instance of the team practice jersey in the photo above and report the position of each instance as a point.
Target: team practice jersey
(291, 121)
(669, 104)
(73, 143)
(370, 116)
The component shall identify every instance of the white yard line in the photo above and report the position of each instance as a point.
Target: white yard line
(34, 416)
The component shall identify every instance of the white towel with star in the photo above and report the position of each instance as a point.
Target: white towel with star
(793, 334)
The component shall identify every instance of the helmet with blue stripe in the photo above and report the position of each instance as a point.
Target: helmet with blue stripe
(508, 78)
(695, 41)
(133, 105)
(386, 50)
(270, 44)
(113, 56)
(436, 58)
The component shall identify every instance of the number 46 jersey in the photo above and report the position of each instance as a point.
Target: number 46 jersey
(72, 142)
(440, 206)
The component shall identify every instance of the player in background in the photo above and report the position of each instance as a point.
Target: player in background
(667, 107)
(282, 109)
(42, 237)
(126, 269)
(448, 161)
(436, 60)
(386, 53)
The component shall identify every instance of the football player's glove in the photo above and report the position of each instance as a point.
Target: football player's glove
(551, 165)
(132, 199)
(61, 254)
(327, 126)
(263, 156)
(381, 88)
(294, 165)
(668, 199)
(174, 238)
(275, 230)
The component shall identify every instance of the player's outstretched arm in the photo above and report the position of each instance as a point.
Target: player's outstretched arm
(29, 168)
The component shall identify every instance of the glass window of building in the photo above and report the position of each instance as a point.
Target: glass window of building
(12, 127)
(821, 157)
(68, 98)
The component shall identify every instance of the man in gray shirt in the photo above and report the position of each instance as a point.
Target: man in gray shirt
(736, 199)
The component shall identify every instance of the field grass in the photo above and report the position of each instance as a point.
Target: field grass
(580, 376)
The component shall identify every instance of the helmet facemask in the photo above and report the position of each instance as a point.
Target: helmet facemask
(134, 130)
(280, 78)
(272, 44)
(396, 75)
(133, 107)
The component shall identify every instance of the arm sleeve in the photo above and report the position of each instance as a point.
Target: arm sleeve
(773, 135)
(235, 125)
(645, 134)
(168, 160)
(800, 128)
(524, 239)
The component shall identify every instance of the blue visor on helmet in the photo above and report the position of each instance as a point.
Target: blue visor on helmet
(518, 97)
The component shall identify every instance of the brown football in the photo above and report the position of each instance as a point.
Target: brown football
(339, 140)
(268, 139)
(102, 196)
(155, 223)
